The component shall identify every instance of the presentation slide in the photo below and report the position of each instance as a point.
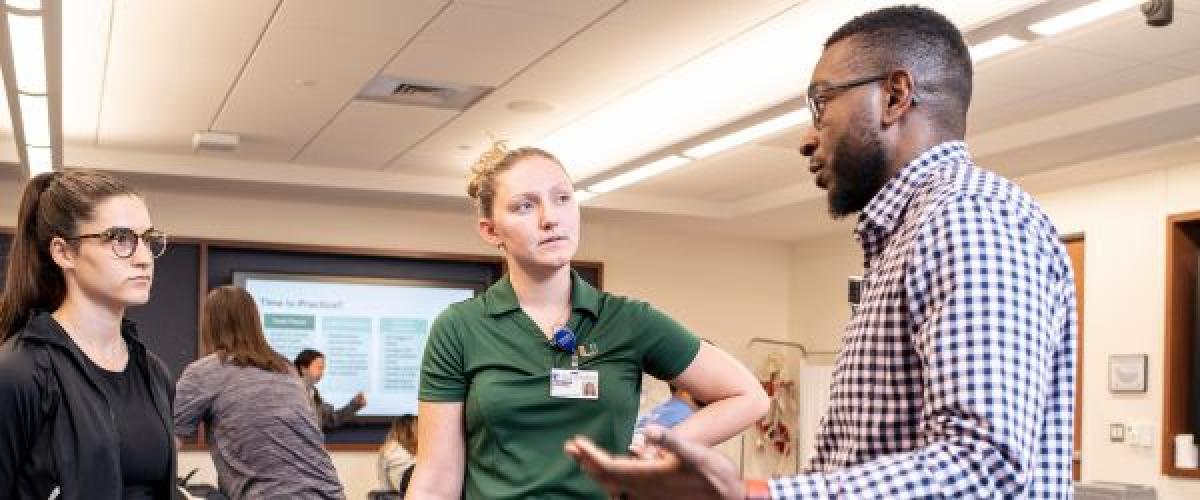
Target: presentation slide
(372, 331)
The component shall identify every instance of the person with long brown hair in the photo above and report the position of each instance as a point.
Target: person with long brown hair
(85, 408)
(398, 454)
(262, 434)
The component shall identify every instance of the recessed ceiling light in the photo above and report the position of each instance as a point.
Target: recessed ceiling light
(748, 134)
(995, 47)
(531, 106)
(1078, 17)
(639, 174)
(582, 195)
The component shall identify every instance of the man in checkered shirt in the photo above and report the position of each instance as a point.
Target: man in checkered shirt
(956, 373)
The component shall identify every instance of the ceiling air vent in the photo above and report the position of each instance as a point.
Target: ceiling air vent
(426, 93)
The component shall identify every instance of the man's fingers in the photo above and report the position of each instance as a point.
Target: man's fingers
(582, 448)
(593, 458)
(688, 453)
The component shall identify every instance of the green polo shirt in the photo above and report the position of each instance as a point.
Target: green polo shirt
(487, 353)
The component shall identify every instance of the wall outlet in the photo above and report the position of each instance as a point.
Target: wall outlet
(1141, 435)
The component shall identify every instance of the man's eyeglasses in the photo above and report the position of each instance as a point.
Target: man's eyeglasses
(819, 96)
(125, 241)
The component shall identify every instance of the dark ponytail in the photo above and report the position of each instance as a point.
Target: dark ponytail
(52, 205)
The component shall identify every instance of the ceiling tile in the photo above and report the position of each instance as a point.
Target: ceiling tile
(987, 95)
(368, 134)
(169, 66)
(1127, 36)
(448, 64)
(1188, 61)
(1049, 68)
(482, 45)
(1192, 6)
(276, 114)
(982, 118)
(1129, 80)
(375, 18)
(578, 9)
(85, 26)
(1172, 126)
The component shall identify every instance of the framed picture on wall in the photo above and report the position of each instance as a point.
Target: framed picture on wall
(1127, 372)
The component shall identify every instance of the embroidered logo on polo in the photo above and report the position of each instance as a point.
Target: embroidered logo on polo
(587, 350)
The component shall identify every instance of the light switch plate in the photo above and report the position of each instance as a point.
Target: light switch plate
(1116, 433)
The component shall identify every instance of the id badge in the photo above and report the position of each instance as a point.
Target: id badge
(574, 384)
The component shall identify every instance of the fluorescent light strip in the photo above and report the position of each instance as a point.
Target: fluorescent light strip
(29, 52)
(749, 134)
(639, 174)
(995, 47)
(583, 195)
(1081, 16)
(41, 159)
(35, 118)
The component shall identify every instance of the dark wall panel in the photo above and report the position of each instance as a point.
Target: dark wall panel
(169, 323)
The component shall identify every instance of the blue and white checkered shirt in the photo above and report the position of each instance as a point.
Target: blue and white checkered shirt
(956, 376)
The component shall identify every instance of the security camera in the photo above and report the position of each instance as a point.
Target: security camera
(1158, 13)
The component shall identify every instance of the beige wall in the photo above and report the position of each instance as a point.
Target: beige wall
(1124, 225)
(1123, 221)
(723, 289)
(820, 268)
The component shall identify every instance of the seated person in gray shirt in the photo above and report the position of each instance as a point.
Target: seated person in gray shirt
(262, 433)
(311, 365)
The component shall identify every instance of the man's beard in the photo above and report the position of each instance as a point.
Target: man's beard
(858, 174)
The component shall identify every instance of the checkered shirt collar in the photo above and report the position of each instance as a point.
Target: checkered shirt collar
(885, 210)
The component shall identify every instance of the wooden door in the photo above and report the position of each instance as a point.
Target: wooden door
(1075, 252)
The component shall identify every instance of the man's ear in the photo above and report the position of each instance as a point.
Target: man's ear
(899, 94)
(62, 254)
(487, 231)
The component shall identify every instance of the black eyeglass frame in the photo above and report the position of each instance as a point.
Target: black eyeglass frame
(819, 96)
(113, 235)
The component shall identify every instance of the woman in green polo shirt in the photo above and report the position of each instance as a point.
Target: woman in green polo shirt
(542, 356)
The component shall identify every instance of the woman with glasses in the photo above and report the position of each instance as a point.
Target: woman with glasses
(85, 408)
(263, 435)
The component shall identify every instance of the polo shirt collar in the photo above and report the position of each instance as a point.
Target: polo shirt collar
(501, 299)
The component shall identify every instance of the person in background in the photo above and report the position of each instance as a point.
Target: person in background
(262, 433)
(542, 355)
(311, 365)
(397, 456)
(85, 408)
(956, 377)
(671, 412)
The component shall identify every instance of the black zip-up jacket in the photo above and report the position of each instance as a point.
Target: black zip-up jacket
(57, 429)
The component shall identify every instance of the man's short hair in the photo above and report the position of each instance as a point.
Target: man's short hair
(925, 43)
(305, 358)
